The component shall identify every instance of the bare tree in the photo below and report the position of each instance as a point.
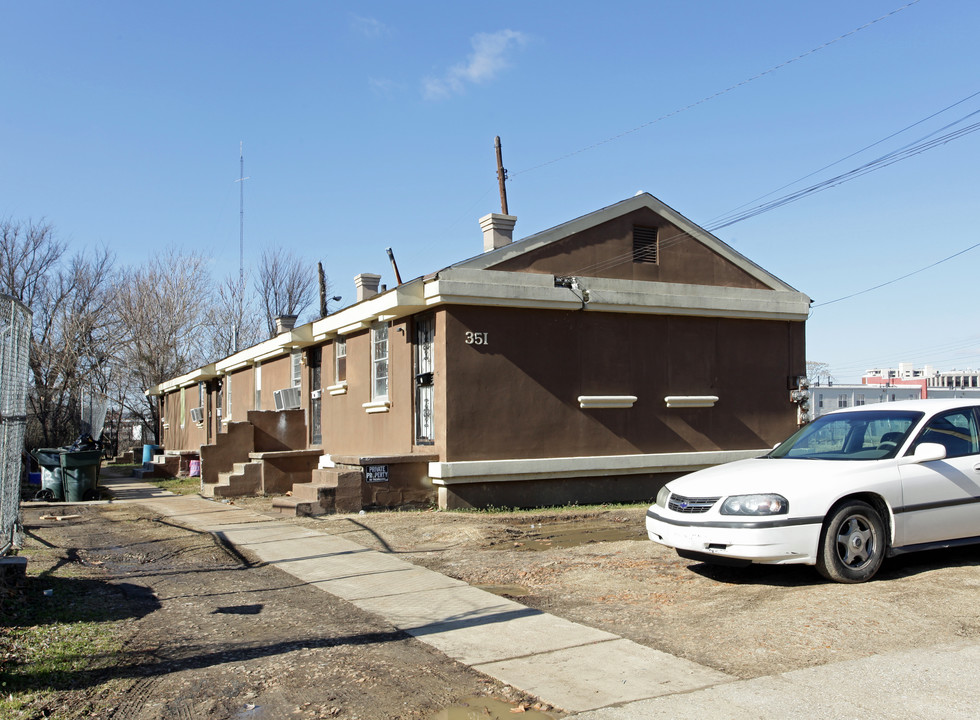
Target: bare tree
(287, 286)
(233, 308)
(164, 307)
(71, 340)
(29, 253)
(818, 372)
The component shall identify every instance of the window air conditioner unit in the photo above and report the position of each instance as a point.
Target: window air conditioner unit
(287, 398)
(197, 414)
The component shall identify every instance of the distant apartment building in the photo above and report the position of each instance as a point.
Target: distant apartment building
(926, 378)
(827, 398)
(905, 382)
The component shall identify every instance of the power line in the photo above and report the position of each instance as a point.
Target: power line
(731, 212)
(916, 148)
(903, 277)
(717, 94)
(927, 142)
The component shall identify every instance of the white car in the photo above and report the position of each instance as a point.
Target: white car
(842, 493)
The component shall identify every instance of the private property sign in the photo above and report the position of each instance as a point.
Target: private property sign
(376, 473)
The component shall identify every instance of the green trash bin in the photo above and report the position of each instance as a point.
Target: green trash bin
(80, 474)
(52, 486)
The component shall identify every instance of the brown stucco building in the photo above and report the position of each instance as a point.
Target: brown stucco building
(590, 362)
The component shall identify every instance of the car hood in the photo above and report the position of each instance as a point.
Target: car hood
(777, 475)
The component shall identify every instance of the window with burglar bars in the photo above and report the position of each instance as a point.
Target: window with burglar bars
(645, 245)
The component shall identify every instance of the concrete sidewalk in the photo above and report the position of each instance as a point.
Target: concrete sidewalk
(572, 666)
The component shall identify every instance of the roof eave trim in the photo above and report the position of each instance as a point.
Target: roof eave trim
(643, 200)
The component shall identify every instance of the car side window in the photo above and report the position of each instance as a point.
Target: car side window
(955, 430)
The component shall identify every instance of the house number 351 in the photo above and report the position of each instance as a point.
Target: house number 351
(477, 338)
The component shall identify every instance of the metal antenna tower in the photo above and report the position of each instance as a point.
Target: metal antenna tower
(241, 241)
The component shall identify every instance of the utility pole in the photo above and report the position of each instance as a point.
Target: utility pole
(501, 176)
(323, 289)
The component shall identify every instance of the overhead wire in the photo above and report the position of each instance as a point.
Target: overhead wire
(924, 356)
(884, 161)
(714, 95)
(903, 277)
(911, 149)
(718, 218)
(915, 148)
(703, 100)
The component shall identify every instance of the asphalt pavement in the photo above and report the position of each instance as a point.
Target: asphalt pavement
(592, 674)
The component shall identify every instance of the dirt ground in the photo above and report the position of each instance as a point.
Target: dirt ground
(598, 569)
(209, 635)
(213, 636)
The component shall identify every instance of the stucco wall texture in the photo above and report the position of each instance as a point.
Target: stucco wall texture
(516, 395)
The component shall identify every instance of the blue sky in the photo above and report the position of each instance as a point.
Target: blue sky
(371, 125)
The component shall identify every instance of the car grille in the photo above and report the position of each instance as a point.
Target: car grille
(679, 503)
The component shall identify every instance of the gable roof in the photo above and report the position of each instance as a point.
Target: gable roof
(639, 201)
(479, 281)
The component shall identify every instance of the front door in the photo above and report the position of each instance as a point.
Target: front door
(316, 428)
(942, 498)
(424, 380)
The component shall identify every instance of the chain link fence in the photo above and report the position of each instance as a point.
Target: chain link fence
(15, 342)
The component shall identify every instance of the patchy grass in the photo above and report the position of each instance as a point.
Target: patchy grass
(178, 486)
(54, 631)
(557, 509)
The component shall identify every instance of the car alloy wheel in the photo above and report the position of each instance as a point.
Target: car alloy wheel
(852, 545)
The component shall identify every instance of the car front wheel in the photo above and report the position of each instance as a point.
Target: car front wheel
(852, 545)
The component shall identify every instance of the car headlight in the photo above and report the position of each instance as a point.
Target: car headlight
(662, 497)
(768, 504)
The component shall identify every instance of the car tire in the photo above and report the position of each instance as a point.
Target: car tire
(852, 544)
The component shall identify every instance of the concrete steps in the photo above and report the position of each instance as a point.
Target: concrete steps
(161, 466)
(245, 478)
(333, 490)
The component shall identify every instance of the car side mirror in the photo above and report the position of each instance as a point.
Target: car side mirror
(927, 452)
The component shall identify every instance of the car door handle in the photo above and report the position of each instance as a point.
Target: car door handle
(976, 468)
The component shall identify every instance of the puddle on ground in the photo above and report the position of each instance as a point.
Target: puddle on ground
(546, 537)
(513, 591)
(474, 708)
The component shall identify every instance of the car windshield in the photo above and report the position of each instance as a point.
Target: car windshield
(869, 435)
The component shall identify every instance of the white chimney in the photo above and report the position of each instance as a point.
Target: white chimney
(285, 323)
(498, 230)
(367, 285)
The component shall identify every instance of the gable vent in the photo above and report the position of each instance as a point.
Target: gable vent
(645, 245)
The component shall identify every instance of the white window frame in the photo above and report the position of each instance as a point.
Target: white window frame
(339, 353)
(257, 374)
(296, 368)
(339, 349)
(379, 360)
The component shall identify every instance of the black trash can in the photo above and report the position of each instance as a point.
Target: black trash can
(52, 482)
(80, 474)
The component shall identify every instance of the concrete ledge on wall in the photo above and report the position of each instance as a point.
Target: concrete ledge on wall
(338, 389)
(690, 401)
(606, 401)
(483, 471)
(376, 406)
